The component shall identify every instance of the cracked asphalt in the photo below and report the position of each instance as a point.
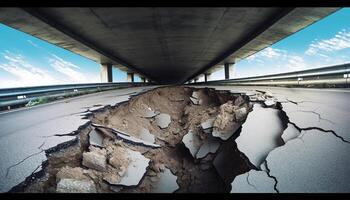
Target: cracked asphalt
(26, 133)
(312, 157)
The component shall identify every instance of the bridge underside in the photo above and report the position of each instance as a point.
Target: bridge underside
(166, 45)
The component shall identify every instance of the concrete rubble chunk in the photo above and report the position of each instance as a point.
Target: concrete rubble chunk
(67, 172)
(167, 183)
(239, 101)
(229, 120)
(75, 186)
(195, 101)
(192, 142)
(163, 120)
(119, 159)
(207, 126)
(269, 102)
(105, 132)
(211, 145)
(95, 159)
(149, 113)
(135, 140)
(195, 94)
(241, 113)
(145, 135)
(96, 138)
(131, 167)
(124, 136)
(268, 94)
(225, 125)
(135, 170)
(111, 178)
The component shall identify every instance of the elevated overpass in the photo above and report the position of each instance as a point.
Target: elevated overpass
(164, 45)
(173, 46)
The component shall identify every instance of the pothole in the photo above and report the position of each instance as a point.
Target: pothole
(170, 139)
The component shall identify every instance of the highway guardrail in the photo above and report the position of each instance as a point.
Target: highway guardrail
(331, 76)
(20, 96)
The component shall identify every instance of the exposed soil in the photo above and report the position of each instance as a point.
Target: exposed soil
(212, 173)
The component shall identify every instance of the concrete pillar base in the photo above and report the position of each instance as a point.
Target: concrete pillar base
(207, 77)
(229, 70)
(106, 73)
(143, 79)
(130, 77)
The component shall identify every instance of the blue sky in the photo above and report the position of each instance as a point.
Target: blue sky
(28, 61)
(324, 43)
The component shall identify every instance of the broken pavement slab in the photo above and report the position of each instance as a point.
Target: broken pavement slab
(195, 101)
(266, 127)
(269, 102)
(125, 136)
(253, 182)
(96, 138)
(135, 140)
(211, 145)
(136, 169)
(207, 126)
(192, 143)
(163, 120)
(166, 184)
(149, 113)
(195, 94)
(145, 135)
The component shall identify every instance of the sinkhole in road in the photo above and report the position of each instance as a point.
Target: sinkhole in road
(169, 139)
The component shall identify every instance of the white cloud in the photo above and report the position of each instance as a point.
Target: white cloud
(340, 41)
(33, 44)
(25, 74)
(68, 69)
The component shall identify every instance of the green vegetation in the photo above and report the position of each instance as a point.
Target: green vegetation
(47, 99)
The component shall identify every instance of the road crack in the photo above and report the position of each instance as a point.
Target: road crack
(247, 178)
(273, 177)
(20, 162)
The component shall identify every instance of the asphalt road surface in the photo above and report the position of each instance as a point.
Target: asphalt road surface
(25, 133)
(312, 158)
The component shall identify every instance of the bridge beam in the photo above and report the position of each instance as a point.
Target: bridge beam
(229, 69)
(207, 77)
(106, 73)
(130, 77)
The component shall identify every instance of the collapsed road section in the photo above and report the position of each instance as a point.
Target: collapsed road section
(170, 139)
(181, 139)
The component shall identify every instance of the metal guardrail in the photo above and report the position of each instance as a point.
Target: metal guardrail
(22, 95)
(332, 75)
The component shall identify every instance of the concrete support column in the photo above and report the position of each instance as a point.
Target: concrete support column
(207, 77)
(229, 70)
(195, 80)
(130, 77)
(106, 73)
(143, 79)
